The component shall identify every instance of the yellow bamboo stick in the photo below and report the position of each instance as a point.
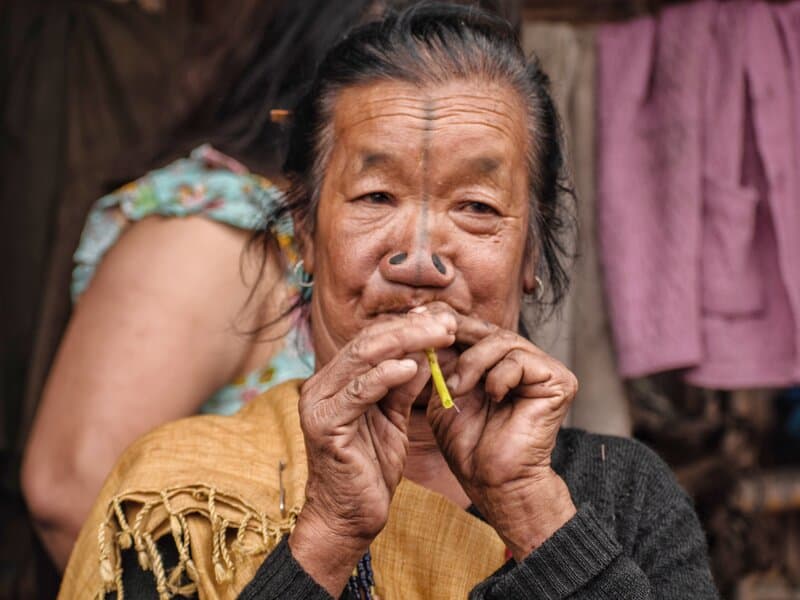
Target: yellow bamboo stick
(438, 379)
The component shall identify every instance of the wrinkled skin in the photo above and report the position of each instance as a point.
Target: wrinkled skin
(513, 398)
(420, 242)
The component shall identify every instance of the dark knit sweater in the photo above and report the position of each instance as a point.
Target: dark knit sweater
(635, 536)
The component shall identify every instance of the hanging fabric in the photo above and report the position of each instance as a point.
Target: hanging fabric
(579, 335)
(698, 192)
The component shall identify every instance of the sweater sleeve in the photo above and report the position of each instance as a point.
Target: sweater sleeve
(280, 576)
(665, 559)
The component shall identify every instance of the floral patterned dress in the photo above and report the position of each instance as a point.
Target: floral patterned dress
(213, 185)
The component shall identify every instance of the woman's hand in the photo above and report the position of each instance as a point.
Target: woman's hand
(354, 414)
(513, 398)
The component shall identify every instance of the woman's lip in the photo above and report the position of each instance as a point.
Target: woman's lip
(404, 305)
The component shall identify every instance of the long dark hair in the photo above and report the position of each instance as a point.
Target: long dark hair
(288, 42)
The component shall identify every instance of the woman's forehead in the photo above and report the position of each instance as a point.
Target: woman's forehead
(381, 120)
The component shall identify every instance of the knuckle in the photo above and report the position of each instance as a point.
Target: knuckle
(424, 322)
(357, 349)
(567, 387)
(467, 361)
(443, 314)
(572, 384)
(557, 365)
(495, 388)
(565, 377)
(489, 327)
(518, 356)
(506, 335)
(355, 388)
(380, 372)
(311, 423)
(328, 446)
(397, 339)
(315, 420)
(309, 386)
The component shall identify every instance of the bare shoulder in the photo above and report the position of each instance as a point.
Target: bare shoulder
(182, 289)
(194, 265)
(160, 328)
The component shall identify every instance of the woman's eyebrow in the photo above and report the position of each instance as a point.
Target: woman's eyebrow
(370, 160)
(478, 168)
(484, 165)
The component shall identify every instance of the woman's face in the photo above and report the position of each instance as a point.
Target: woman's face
(425, 197)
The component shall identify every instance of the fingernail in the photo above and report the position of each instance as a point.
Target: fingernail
(452, 382)
(419, 309)
(409, 363)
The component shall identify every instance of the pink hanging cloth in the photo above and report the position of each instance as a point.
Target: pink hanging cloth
(698, 192)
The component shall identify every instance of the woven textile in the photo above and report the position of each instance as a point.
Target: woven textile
(211, 482)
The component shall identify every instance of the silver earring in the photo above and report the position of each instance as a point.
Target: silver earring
(302, 278)
(539, 292)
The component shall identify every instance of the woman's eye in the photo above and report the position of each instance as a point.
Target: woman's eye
(480, 208)
(377, 198)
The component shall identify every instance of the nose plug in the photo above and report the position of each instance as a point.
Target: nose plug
(400, 257)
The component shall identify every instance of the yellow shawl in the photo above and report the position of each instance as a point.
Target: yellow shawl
(212, 483)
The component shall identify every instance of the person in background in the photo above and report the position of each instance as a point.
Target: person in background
(168, 316)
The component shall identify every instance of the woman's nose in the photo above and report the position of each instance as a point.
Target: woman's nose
(417, 267)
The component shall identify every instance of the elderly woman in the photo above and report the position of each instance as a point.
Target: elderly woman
(425, 191)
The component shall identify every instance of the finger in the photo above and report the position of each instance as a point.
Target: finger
(471, 330)
(531, 375)
(404, 334)
(560, 388)
(446, 418)
(505, 376)
(457, 432)
(475, 362)
(390, 451)
(399, 401)
(364, 390)
(555, 393)
(397, 338)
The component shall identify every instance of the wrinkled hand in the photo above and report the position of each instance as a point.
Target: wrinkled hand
(354, 414)
(513, 398)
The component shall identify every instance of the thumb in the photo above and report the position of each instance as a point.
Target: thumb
(398, 402)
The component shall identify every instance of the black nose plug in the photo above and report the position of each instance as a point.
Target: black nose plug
(437, 262)
(398, 259)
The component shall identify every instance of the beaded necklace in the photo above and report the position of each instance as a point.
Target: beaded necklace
(361, 584)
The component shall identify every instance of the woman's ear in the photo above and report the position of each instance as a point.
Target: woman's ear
(305, 243)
